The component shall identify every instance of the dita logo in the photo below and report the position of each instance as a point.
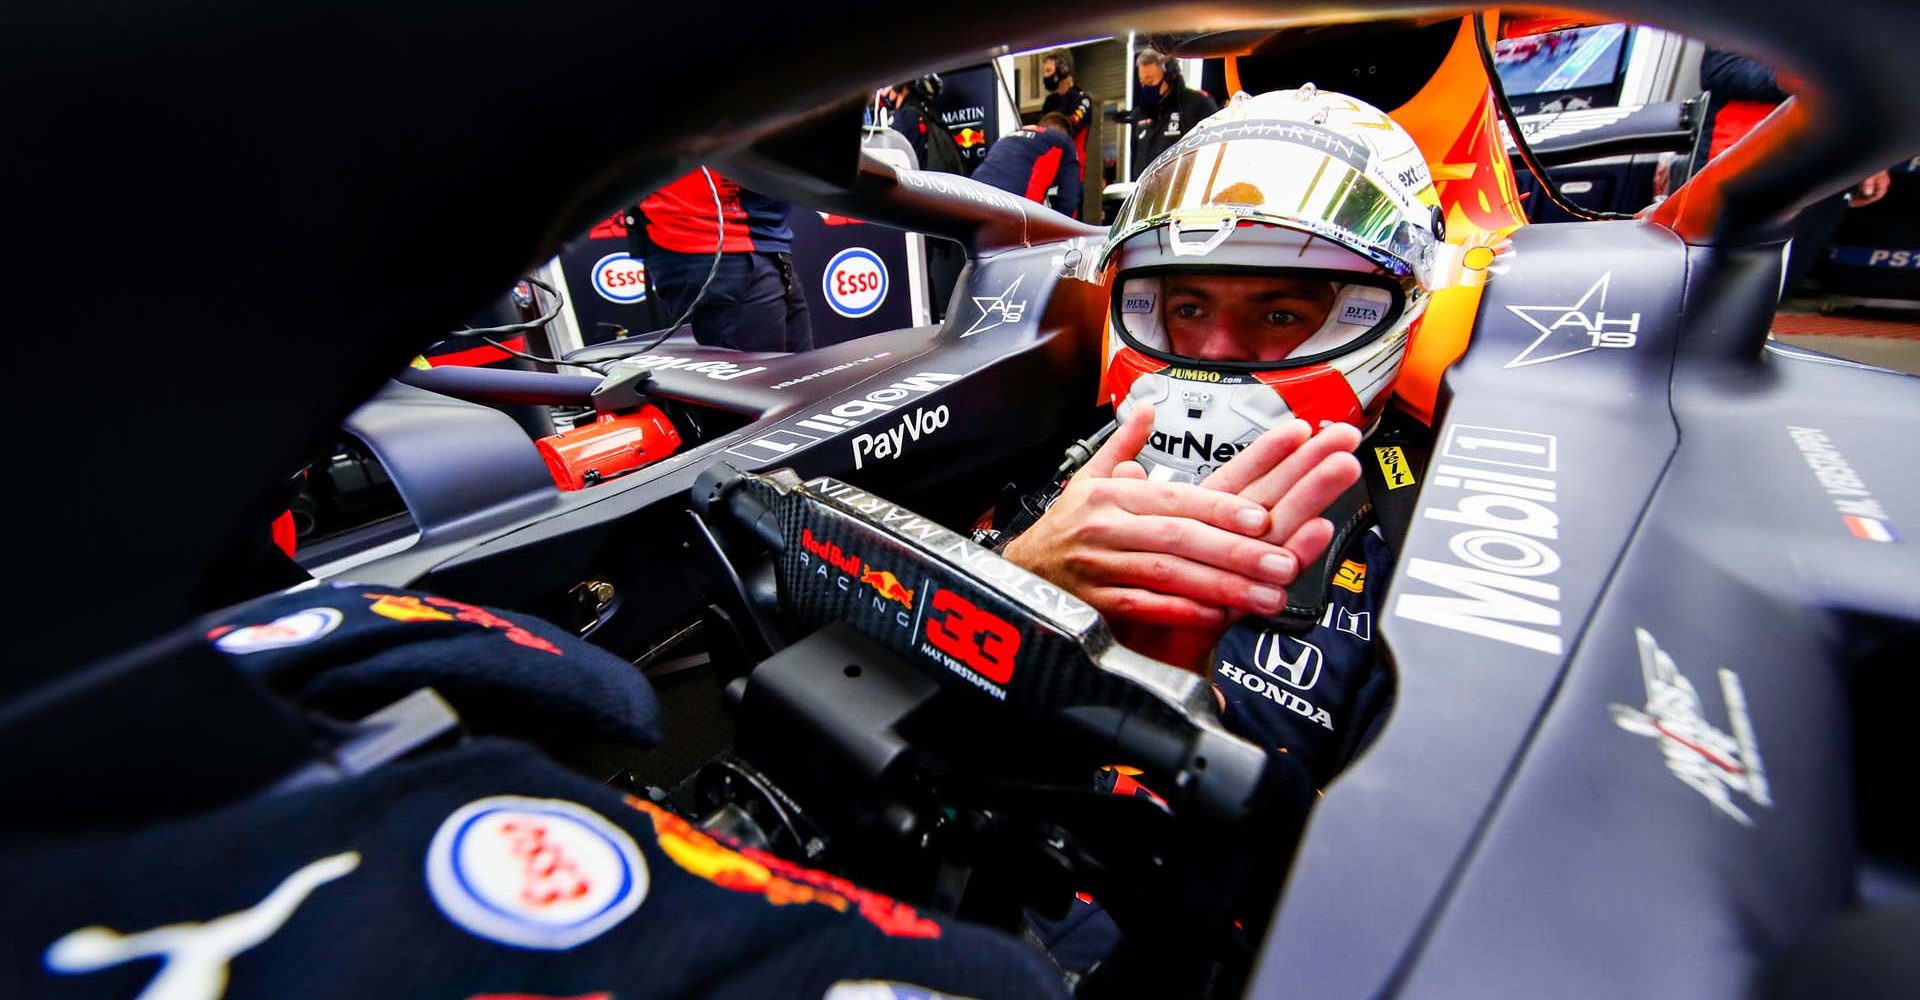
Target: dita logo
(1575, 329)
(1721, 766)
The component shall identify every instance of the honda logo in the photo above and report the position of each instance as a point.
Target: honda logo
(1288, 660)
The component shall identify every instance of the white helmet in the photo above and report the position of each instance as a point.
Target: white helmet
(1271, 264)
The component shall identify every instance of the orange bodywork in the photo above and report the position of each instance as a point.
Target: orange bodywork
(1452, 119)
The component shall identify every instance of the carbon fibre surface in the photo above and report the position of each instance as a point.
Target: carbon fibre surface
(987, 628)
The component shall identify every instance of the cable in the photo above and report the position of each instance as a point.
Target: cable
(1081, 452)
(1547, 187)
(487, 333)
(719, 249)
(521, 327)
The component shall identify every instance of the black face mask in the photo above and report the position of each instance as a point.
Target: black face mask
(1147, 97)
(1051, 82)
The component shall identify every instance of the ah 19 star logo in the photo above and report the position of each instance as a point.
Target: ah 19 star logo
(1568, 326)
(997, 310)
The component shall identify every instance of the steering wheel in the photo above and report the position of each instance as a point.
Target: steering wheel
(935, 721)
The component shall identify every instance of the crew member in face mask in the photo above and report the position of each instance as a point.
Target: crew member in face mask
(1165, 105)
(1065, 96)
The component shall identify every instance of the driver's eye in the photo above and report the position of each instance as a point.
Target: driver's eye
(1281, 317)
(1186, 310)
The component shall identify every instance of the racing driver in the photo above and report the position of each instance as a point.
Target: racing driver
(1266, 275)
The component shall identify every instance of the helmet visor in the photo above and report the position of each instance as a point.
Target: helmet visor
(1284, 173)
(1252, 318)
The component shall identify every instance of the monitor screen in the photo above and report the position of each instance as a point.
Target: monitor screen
(1585, 61)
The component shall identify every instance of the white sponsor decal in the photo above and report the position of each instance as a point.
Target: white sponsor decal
(534, 873)
(1278, 695)
(194, 955)
(1202, 447)
(1554, 123)
(1716, 764)
(772, 445)
(964, 116)
(1497, 585)
(620, 278)
(1499, 446)
(892, 441)
(974, 191)
(1137, 303)
(1358, 624)
(1354, 154)
(1893, 258)
(822, 373)
(1859, 511)
(296, 629)
(719, 371)
(1293, 662)
(1360, 312)
(960, 670)
(855, 282)
(854, 412)
(1585, 331)
(999, 309)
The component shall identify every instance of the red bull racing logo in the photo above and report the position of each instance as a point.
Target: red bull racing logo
(842, 569)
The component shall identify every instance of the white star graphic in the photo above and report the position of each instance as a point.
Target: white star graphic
(1560, 314)
(997, 305)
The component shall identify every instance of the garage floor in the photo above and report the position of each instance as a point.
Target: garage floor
(1878, 339)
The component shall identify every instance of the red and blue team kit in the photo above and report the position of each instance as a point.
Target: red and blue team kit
(1028, 161)
(680, 217)
(184, 823)
(1319, 695)
(1316, 696)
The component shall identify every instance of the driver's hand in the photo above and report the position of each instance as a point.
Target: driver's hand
(1183, 560)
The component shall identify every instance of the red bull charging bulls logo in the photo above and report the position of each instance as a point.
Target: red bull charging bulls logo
(888, 586)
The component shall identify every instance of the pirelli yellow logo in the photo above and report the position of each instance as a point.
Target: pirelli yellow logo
(1351, 576)
(1393, 462)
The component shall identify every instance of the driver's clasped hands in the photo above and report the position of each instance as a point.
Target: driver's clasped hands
(1180, 556)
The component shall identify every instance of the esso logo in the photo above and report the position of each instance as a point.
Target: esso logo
(855, 282)
(536, 873)
(296, 629)
(620, 278)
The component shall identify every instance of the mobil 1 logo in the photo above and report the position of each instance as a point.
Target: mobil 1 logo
(1494, 489)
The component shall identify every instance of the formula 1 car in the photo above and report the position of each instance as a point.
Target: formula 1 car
(1648, 622)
